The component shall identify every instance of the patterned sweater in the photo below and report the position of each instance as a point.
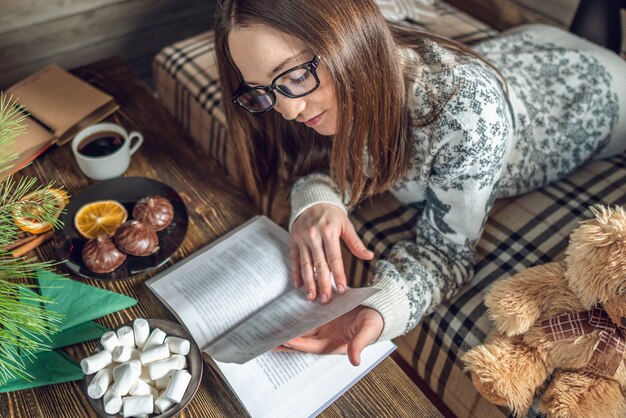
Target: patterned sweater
(559, 112)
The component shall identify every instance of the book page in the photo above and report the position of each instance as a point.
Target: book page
(225, 283)
(292, 384)
(285, 318)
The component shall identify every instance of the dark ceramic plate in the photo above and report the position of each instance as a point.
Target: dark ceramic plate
(68, 244)
(194, 366)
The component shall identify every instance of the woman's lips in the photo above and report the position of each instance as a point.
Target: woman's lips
(314, 121)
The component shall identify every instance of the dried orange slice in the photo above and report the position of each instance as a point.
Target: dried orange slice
(29, 224)
(98, 218)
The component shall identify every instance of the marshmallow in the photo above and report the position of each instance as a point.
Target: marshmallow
(100, 383)
(137, 405)
(142, 331)
(162, 404)
(96, 362)
(117, 370)
(181, 361)
(155, 353)
(109, 341)
(112, 402)
(124, 353)
(155, 338)
(126, 379)
(142, 388)
(178, 386)
(178, 345)
(145, 374)
(162, 382)
(126, 336)
(160, 368)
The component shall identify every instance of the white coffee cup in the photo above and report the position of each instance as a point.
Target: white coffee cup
(103, 151)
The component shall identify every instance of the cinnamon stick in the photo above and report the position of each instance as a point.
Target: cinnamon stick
(19, 242)
(31, 245)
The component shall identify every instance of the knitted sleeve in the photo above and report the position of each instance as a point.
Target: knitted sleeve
(311, 190)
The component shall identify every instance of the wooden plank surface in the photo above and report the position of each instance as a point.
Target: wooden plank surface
(215, 206)
(17, 14)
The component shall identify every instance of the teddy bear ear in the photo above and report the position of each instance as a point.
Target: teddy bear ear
(608, 227)
(596, 256)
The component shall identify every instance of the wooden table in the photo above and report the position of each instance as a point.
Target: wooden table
(215, 206)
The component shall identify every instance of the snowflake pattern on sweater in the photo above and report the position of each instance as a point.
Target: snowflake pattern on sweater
(558, 113)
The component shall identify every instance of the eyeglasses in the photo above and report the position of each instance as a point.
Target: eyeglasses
(293, 83)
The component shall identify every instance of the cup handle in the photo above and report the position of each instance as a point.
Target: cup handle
(139, 140)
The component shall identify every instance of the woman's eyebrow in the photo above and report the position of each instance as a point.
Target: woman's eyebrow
(284, 63)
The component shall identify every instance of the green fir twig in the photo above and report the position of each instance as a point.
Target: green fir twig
(12, 116)
(25, 323)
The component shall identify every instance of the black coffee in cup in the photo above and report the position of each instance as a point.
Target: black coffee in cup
(100, 144)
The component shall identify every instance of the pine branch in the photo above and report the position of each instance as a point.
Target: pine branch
(24, 200)
(25, 323)
(12, 116)
(26, 327)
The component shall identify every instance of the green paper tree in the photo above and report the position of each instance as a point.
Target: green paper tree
(25, 326)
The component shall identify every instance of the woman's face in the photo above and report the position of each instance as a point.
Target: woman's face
(261, 53)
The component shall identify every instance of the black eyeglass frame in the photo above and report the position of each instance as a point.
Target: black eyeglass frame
(243, 88)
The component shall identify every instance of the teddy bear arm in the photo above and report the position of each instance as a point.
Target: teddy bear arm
(507, 371)
(516, 303)
(582, 395)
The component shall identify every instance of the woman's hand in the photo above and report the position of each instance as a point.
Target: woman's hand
(316, 250)
(350, 333)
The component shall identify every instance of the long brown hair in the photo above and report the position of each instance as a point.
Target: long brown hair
(359, 49)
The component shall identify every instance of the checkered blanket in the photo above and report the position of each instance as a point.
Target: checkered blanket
(521, 232)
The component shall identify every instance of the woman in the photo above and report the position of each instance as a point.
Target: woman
(330, 93)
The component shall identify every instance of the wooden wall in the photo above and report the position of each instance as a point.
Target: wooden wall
(70, 33)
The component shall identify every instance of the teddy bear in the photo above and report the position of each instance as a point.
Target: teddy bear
(560, 329)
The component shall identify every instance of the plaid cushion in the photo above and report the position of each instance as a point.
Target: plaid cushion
(186, 79)
(521, 232)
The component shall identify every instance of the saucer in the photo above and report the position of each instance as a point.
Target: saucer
(68, 243)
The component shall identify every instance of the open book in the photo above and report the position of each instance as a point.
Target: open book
(236, 299)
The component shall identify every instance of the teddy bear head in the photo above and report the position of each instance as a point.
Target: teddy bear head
(596, 262)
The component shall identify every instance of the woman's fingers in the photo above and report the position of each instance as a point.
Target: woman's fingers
(316, 345)
(283, 348)
(361, 339)
(294, 257)
(354, 243)
(306, 272)
(316, 250)
(369, 324)
(286, 346)
(332, 248)
(322, 273)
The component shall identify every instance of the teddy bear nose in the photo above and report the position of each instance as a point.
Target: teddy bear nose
(624, 322)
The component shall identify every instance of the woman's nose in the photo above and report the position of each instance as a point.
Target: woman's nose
(289, 108)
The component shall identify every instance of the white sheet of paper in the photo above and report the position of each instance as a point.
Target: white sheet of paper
(287, 317)
(298, 385)
(215, 289)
